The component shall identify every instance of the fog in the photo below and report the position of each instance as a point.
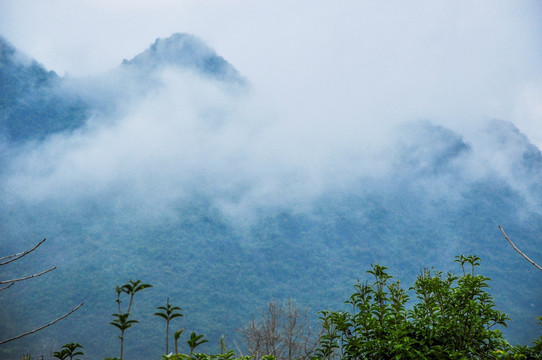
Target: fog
(336, 135)
(327, 90)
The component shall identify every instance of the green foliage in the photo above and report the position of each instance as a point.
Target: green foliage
(176, 336)
(450, 317)
(62, 355)
(195, 340)
(222, 344)
(314, 263)
(523, 352)
(122, 321)
(453, 318)
(169, 313)
(131, 288)
(69, 351)
(230, 355)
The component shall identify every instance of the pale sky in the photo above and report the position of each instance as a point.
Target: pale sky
(447, 61)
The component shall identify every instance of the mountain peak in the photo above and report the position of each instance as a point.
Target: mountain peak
(31, 105)
(186, 51)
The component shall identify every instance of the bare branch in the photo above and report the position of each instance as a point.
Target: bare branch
(27, 277)
(282, 331)
(7, 287)
(10, 256)
(515, 248)
(42, 327)
(238, 349)
(19, 255)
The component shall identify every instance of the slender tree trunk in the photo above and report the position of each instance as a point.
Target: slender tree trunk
(130, 304)
(167, 337)
(121, 343)
(176, 352)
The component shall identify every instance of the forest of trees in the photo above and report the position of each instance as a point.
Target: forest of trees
(441, 316)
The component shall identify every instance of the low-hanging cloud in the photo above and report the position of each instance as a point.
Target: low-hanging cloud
(187, 135)
(190, 135)
(322, 112)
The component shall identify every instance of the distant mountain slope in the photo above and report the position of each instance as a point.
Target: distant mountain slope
(32, 104)
(35, 103)
(179, 191)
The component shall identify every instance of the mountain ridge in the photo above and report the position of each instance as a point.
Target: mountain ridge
(165, 217)
(188, 51)
(35, 102)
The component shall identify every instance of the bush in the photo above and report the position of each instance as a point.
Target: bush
(453, 318)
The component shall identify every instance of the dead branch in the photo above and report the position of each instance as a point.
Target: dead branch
(27, 277)
(282, 331)
(19, 255)
(238, 349)
(7, 287)
(519, 251)
(42, 327)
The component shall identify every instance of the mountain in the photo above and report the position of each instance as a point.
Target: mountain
(35, 103)
(32, 103)
(184, 50)
(158, 176)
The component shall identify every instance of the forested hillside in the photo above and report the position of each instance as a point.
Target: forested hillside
(162, 171)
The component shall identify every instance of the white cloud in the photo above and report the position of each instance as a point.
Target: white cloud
(528, 112)
(329, 82)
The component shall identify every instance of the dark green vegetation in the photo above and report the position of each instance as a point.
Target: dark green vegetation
(220, 276)
(429, 206)
(169, 313)
(451, 317)
(69, 351)
(122, 319)
(5, 284)
(28, 91)
(219, 282)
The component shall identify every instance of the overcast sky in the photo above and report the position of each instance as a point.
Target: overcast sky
(447, 61)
